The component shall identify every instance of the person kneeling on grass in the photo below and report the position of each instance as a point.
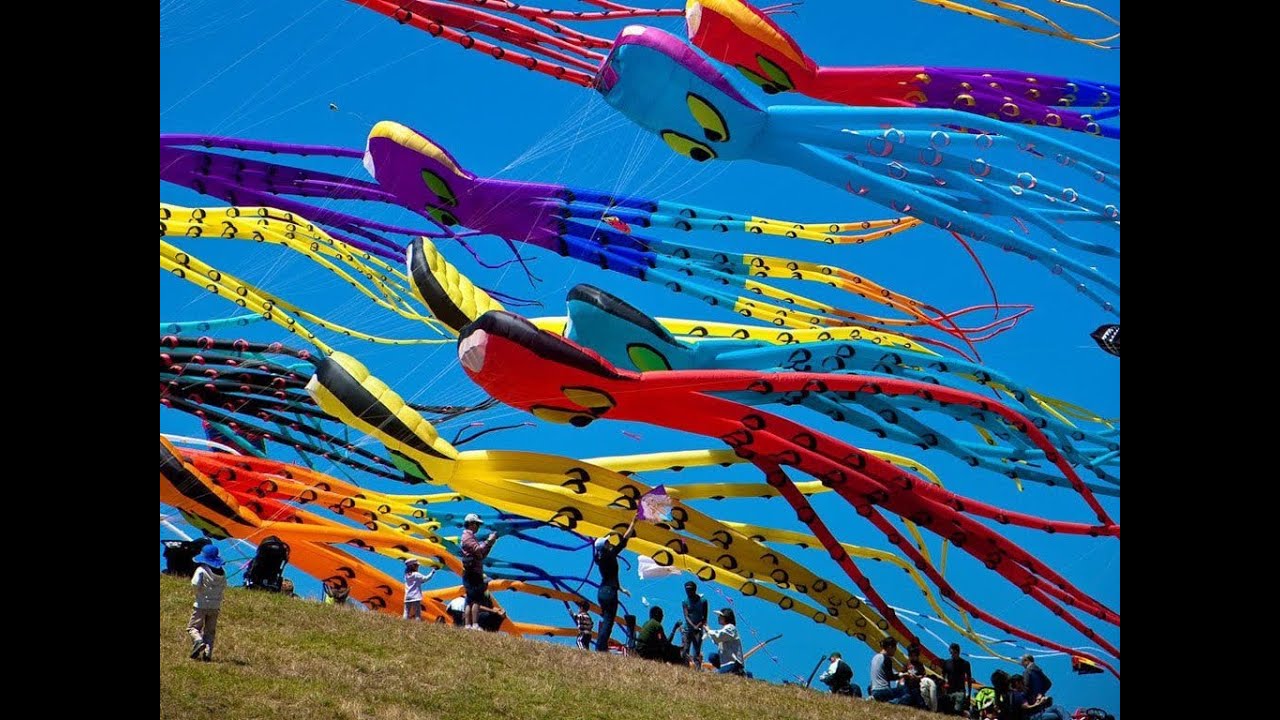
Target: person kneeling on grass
(729, 644)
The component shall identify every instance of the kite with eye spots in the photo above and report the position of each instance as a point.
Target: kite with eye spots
(248, 498)
(580, 496)
(747, 40)
(545, 43)
(627, 337)
(579, 223)
(553, 378)
(951, 169)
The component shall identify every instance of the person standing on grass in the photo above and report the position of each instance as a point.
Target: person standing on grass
(958, 676)
(584, 622)
(413, 581)
(473, 580)
(209, 582)
(696, 610)
(606, 557)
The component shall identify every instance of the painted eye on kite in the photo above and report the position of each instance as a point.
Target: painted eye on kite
(560, 416)
(437, 185)
(764, 82)
(708, 118)
(645, 358)
(444, 217)
(589, 398)
(774, 80)
(687, 147)
(777, 75)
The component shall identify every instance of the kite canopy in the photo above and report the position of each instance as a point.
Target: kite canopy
(1108, 338)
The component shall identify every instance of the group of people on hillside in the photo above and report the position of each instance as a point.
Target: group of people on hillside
(1023, 696)
(653, 643)
(913, 686)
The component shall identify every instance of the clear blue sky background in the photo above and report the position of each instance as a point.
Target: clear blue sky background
(270, 71)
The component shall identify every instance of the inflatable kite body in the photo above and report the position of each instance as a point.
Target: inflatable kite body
(1108, 338)
(746, 39)
(628, 338)
(248, 387)
(947, 168)
(559, 381)
(414, 173)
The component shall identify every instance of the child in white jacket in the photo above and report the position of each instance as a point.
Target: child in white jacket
(210, 582)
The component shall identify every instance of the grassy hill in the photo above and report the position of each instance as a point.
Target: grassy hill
(287, 659)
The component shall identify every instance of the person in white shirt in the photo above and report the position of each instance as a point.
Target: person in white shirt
(729, 644)
(210, 582)
(413, 581)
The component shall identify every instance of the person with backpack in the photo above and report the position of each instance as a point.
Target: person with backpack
(413, 582)
(606, 558)
(209, 582)
(474, 553)
(839, 677)
(696, 610)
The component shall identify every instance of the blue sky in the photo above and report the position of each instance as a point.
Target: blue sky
(271, 70)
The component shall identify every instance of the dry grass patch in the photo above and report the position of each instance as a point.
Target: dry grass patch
(283, 659)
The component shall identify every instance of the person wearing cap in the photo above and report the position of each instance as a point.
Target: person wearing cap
(210, 582)
(839, 677)
(728, 643)
(413, 581)
(606, 558)
(473, 554)
(958, 678)
(695, 622)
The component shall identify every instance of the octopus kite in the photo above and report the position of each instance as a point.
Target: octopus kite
(555, 379)
(233, 496)
(545, 43)
(238, 380)
(746, 39)
(944, 167)
(579, 223)
(627, 337)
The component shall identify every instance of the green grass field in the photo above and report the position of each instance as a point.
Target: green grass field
(282, 658)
